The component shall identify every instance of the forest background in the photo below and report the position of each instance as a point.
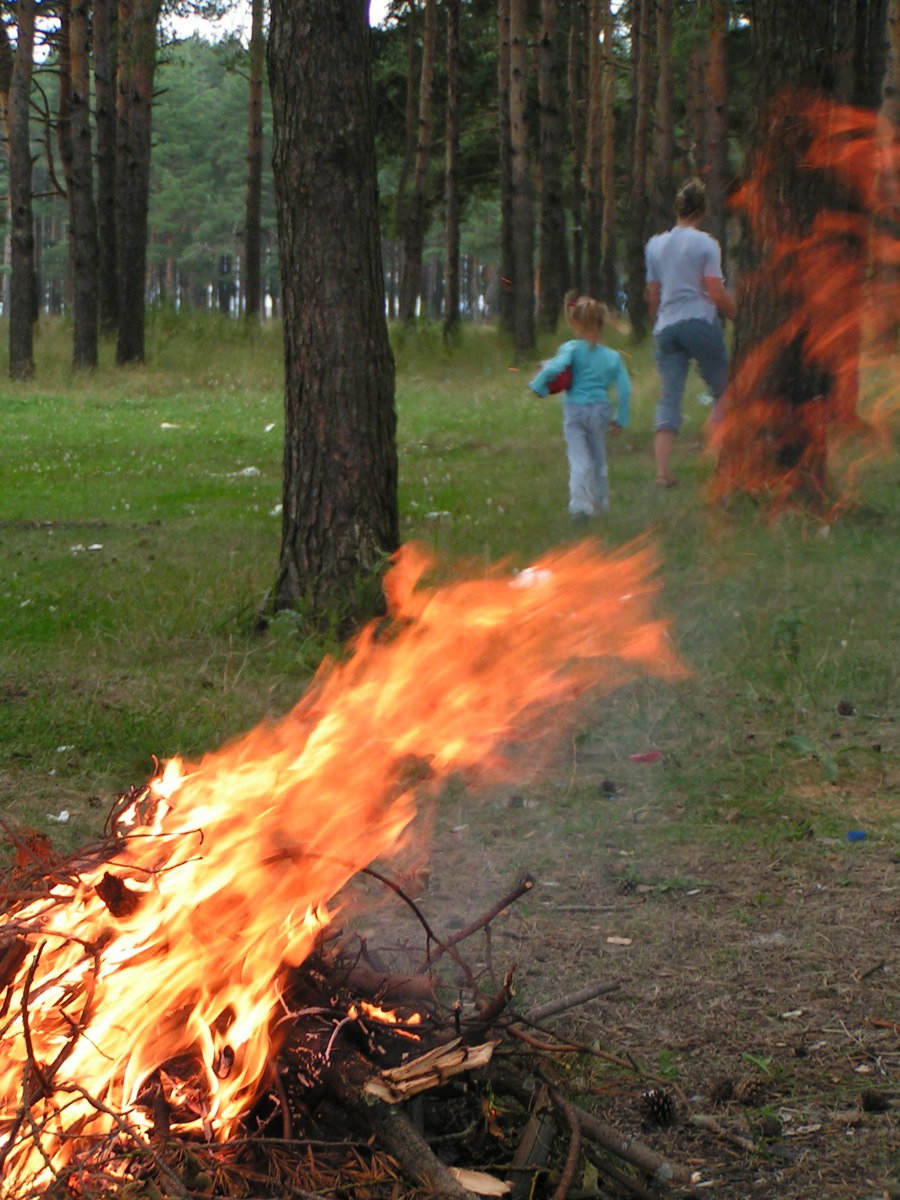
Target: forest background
(198, 178)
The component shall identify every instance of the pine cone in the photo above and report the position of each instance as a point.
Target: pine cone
(658, 1106)
(750, 1090)
(721, 1091)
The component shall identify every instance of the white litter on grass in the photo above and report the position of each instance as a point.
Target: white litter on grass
(63, 749)
(530, 576)
(434, 516)
(168, 425)
(276, 511)
(247, 472)
(95, 546)
(78, 548)
(59, 818)
(270, 427)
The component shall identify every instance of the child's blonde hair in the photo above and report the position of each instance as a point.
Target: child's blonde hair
(586, 317)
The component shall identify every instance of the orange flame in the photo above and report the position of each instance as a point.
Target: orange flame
(829, 290)
(227, 867)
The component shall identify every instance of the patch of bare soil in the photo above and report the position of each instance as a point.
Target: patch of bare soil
(757, 993)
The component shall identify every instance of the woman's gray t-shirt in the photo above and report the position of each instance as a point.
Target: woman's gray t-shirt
(678, 261)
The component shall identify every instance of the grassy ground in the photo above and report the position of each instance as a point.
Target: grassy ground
(139, 533)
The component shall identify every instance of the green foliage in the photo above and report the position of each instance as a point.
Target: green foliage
(199, 166)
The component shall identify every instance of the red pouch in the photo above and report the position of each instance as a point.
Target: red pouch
(561, 383)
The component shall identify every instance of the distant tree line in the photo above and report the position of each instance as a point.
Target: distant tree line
(524, 147)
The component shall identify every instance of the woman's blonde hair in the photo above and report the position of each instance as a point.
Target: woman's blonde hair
(586, 317)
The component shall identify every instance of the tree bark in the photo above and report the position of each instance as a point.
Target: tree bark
(137, 21)
(251, 264)
(554, 264)
(23, 287)
(507, 242)
(577, 75)
(594, 238)
(523, 217)
(638, 311)
(340, 509)
(608, 270)
(451, 181)
(409, 149)
(664, 126)
(890, 91)
(717, 126)
(82, 212)
(797, 340)
(417, 214)
(105, 54)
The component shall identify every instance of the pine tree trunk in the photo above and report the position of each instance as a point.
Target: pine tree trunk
(451, 182)
(105, 55)
(506, 297)
(6, 73)
(554, 265)
(796, 344)
(637, 208)
(64, 94)
(664, 127)
(251, 264)
(890, 91)
(608, 270)
(340, 509)
(695, 103)
(417, 214)
(886, 274)
(717, 126)
(523, 217)
(409, 148)
(137, 21)
(577, 75)
(23, 285)
(82, 213)
(594, 239)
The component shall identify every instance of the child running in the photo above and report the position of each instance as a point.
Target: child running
(587, 408)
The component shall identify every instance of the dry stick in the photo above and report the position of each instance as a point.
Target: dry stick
(429, 932)
(524, 885)
(507, 1078)
(534, 1146)
(22, 846)
(633, 1151)
(626, 1181)
(535, 1015)
(537, 1044)
(393, 1129)
(710, 1123)
(568, 1172)
(626, 1064)
(144, 1149)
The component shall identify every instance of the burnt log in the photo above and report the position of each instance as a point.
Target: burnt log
(348, 1083)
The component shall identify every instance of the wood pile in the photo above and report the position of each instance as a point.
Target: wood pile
(380, 1086)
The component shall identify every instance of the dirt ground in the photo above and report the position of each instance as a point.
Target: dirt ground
(759, 991)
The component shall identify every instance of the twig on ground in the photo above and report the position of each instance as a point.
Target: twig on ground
(432, 955)
(701, 1121)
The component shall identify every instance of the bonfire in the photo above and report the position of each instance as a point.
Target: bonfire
(182, 989)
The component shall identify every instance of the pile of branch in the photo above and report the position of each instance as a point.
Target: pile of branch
(455, 1094)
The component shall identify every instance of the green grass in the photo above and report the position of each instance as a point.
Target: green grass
(139, 535)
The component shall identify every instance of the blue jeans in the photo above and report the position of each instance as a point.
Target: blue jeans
(584, 429)
(673, 348)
